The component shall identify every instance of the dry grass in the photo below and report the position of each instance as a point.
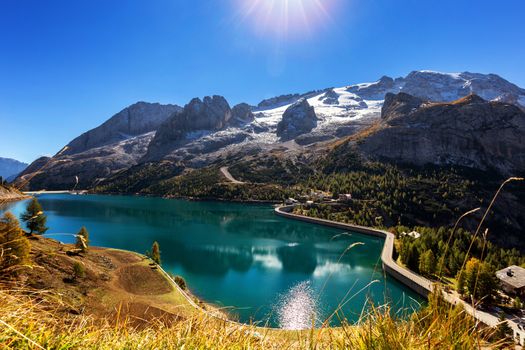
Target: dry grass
(29, 320)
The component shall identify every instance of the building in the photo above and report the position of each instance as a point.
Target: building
(346, 197)
(512, 280)
(291, 201)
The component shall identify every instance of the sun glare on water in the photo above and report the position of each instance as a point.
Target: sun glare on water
(297, 308)
(286, 18)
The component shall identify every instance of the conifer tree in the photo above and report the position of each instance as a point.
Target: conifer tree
(14, 246)
(34, 217)
(155, 253)
(82, 242)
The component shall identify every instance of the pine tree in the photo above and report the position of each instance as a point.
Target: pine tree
(155, 253)
(82, 242)
(34, 217)
(78, 271)
(14, 246)
(427, 263)
(503, 330)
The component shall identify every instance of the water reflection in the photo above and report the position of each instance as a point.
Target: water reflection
(240, 256)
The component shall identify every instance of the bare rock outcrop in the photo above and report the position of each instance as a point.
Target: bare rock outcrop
(469, 132)
(137, 119)
(198, 119)
(298, 119)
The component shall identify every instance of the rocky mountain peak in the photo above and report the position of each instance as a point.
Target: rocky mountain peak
(298, 119)
(137, 119)
(242, 114)
(470, 99)
(400, 104)
(212, 113)
(198, 118)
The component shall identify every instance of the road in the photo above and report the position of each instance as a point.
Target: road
(407, 277)
(226, 173)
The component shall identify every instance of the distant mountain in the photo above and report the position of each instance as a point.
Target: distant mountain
(116, 145)
(208, 130)
(10, 168)
(137, 119)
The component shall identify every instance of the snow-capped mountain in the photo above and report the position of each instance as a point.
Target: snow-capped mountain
(205, 130)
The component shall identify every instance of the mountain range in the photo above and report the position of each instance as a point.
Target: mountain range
(413, 126)
(10, 168)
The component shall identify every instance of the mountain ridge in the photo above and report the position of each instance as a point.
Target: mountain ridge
(210, 129)
(10, 168)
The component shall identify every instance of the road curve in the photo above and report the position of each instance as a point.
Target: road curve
(411, 279)
(226, 173)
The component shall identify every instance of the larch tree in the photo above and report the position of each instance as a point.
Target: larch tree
(82, 241)
(14, 245)
(34, 217)
(155, 253)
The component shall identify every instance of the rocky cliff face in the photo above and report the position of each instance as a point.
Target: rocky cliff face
(115, 145)
(137, 119)
(298, 119)
(468, 132)
(89, 167)
(207, 130)
(241, 115)
(196, 120)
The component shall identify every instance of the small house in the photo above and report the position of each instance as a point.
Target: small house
(512, 280)
(346, 197)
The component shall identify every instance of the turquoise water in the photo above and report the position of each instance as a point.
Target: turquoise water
(266, 268)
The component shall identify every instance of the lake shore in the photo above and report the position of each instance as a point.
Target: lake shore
(10, 194)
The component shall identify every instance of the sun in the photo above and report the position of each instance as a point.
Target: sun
(285, 18)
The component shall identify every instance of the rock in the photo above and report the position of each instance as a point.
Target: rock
(330, 97)
(377, 90)
(198, 119)
(469, 132)
(284, 100)
(399, 105)
(298, 119)
(137, 119)
(241, 115)
(90, 167)
(447, 87)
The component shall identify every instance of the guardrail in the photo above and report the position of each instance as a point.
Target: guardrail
(412, 280)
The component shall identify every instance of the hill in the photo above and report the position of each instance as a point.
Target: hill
(121, 301)
(10, 193)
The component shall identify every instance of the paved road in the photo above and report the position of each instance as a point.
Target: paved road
(226, 173)
(409, 278)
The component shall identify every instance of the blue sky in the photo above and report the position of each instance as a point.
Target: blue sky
(67, 66)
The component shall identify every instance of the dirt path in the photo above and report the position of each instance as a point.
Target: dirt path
(226, 173)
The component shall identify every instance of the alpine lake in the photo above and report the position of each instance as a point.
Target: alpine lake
(263, 268)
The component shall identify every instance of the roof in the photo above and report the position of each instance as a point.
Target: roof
(512, 275)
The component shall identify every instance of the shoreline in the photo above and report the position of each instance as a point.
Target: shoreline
(4, 200)
(412, 280)
(417, 283)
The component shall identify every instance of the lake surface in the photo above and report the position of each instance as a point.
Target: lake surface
(269, 269)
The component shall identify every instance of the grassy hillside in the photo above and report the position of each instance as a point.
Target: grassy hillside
(52, 318)
(9, 193)
(59, 298)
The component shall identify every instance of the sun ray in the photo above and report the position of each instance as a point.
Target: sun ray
(285, 18)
